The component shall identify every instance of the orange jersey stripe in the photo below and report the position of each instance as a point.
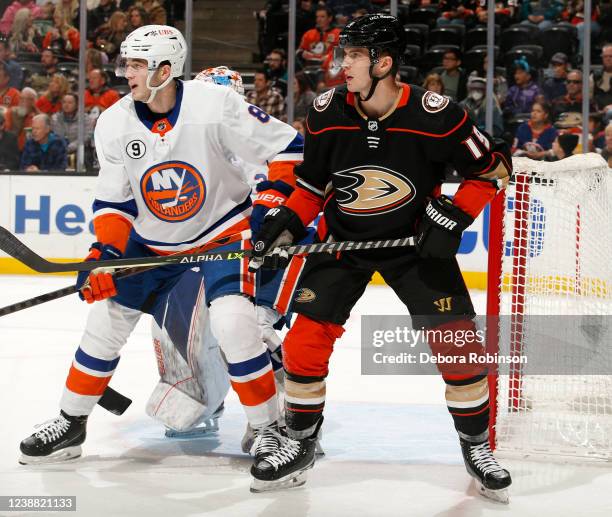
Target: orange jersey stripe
(282, 170)
(256, 391)
(85, 384)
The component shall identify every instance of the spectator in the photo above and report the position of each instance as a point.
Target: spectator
(6, 23)
(9, 152)
(65, 124)
(303, 96)
(51, 100)
(331, 73)
(98, 94)
(535, 137)
(504, 12)
(572, 100)
(602, 81)
(11, 66)
(265, 97)
(48, 9)
(9, 96)
(305, 18)
(524, 92)
(63, 38)
(575, 15)
(109, 37)
(433, 83)
(24, 37)
(276, 65)
(543, 15)
(564, 146)
(94, 59)
(606, 152)
(344, 9)
(69, 10)
(317, 43)
(500, 85)
(100, 15)
(137, 17)
(156, 13)
(299, 124)
(45, 151)
(456, 12)
(19, 118)
(453, 76)
(40, 81)
(475, 105)
(555, 86)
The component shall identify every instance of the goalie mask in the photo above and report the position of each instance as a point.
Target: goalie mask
(223, 76)
(377, 33)
(157, 45)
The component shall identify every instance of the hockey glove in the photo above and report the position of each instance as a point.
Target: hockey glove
(281, 227)
(441, 228)
(269, 195)
(94, 287)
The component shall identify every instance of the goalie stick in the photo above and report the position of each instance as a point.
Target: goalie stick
(18, 250)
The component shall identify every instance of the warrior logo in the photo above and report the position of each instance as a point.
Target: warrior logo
(432, 102)
(173, 191)
(371, 190)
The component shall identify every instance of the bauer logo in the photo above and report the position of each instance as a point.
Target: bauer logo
(371, 190)
(173, 191)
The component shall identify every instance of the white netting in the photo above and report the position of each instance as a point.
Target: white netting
(557, 263)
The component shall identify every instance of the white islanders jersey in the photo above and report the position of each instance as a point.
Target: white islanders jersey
(174, 178)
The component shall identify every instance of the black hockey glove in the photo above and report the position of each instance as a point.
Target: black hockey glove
(441, 229)
(281, 226)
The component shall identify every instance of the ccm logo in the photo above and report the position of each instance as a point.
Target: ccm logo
(271, 198)
(440, 219)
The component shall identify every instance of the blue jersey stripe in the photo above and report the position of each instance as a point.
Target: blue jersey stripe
(93, 363)
(249, 366)
(296, 145)
(129, 207)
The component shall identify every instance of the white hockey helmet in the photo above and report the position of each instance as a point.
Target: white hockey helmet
(223, 76)
(155, 44)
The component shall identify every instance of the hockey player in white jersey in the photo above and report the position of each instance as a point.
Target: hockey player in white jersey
(165, 186)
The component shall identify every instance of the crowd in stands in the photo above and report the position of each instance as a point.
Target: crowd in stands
(537, 78)
(39, 50)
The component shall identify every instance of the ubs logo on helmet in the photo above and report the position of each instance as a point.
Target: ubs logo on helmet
(173, 191)
(371, 190)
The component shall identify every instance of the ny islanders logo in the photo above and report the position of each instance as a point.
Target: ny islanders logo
(371, 190)
(173, 191)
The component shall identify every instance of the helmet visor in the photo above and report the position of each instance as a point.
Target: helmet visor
(123, 65)
(351, 56)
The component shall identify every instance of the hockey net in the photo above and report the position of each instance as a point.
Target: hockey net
(550, 282)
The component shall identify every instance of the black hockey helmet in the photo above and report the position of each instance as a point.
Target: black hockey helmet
(376, 32)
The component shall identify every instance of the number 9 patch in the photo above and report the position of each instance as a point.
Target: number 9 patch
(136, 149)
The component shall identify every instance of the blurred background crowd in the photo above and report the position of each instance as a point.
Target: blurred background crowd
(538, 81)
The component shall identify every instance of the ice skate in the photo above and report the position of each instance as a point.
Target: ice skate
(286, 467)
(492, 480)
(58, 439)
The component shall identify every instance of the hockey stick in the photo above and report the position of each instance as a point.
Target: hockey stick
(122, 273)
(17, 249)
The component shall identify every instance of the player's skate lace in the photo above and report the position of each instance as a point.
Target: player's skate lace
(483, 458)
(288, 451)
(52, 429)
(267, 441)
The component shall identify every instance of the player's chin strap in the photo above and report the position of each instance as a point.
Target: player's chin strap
(374, 58)
(155, 89)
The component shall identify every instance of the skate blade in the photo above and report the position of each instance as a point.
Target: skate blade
(69, 453)
(319, 450)
(499, 496)
(209, 427)
(258, 486)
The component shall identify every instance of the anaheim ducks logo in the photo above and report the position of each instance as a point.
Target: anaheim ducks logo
(371, 190)
(305, 295)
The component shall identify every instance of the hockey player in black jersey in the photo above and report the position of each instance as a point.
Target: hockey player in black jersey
(374, 158)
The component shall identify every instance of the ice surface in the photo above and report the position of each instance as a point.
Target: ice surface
(390, 447)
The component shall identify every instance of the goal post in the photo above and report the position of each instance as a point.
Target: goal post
(549, 297)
